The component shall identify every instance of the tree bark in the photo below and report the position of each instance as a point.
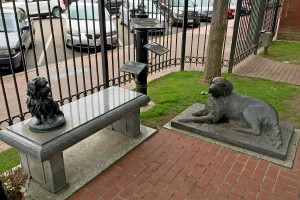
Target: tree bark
(213, 62)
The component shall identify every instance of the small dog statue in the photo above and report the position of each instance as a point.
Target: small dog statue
(46, 113)
(250, 115)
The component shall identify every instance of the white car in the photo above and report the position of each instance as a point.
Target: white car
(83, 29)
(56, 7)
(126, 12)
(205, 8)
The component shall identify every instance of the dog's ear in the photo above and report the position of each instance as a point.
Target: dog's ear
(228, 87)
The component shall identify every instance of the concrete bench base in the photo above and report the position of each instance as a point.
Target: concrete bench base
(42, 153)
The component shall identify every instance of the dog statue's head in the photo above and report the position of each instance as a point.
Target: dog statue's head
(220, 87)
(38, 87)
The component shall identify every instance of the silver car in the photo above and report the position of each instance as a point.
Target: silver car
(11, 57)
(41, 8)
(81, 28)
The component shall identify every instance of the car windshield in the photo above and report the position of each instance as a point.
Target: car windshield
(202, 2)
(86, 14)
(10, 23)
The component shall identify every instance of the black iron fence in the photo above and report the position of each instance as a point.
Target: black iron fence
(67, 48)
(252, 18)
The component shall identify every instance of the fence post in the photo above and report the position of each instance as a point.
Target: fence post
(256, 21)
(275, 16)
(185, 13)
(235, 34)
(105, 75)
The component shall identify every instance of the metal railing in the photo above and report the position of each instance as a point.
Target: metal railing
(76, 67)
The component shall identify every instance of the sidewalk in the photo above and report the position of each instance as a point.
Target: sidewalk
(172, 165)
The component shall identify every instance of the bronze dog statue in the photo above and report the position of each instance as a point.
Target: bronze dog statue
(40, 103)
(249, 115)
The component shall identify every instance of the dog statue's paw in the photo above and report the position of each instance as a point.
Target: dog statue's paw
(184, 120)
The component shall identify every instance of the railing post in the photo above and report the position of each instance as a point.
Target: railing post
(105, 75)
(235, 34)
(185, 13)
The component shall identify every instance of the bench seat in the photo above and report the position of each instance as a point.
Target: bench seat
(41, 154)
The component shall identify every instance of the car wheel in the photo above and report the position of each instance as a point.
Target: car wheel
(131, 29)
(56, 12)
(32, 44)
(68, 46)
(21, 68)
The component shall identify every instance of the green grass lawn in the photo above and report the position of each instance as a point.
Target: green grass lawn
(177, 91)
(284, 51)
(8, 159)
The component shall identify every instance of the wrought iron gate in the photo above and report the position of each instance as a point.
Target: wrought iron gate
(252, 17)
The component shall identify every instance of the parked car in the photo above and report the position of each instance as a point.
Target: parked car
(113, 6)
(55, 8)
(126, 12)
(15, 45)
(205, 8)
(173, 11)
(83, 29)
(231, 9)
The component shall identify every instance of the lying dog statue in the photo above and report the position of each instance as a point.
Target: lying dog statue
(249, 115)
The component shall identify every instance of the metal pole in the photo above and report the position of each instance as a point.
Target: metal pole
(103, 43)
(185, 13)
(142, 54)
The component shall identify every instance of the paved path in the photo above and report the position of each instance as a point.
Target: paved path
(171, 165)
(256, 66)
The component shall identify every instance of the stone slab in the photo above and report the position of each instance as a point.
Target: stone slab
(87, 159)
(223, 132)
(83, 117)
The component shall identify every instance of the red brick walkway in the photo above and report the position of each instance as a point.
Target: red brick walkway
(171, 165)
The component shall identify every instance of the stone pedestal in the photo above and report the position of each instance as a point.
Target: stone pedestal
(223, 132)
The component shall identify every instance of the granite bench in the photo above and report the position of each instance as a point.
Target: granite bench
(41, 154)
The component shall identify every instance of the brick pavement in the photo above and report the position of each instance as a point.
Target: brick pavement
(171, 165)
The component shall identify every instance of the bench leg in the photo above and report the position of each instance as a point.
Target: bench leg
(50, 173)
(129, 125)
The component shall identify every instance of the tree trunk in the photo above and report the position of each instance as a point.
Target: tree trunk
(217, 31)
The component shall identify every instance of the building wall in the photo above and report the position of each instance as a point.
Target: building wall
(289, 26)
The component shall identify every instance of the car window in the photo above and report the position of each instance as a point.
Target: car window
(150, 8)
(10, 23)
(86, 13)
(180, 3)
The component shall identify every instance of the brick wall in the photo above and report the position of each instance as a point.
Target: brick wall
(289, 26)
